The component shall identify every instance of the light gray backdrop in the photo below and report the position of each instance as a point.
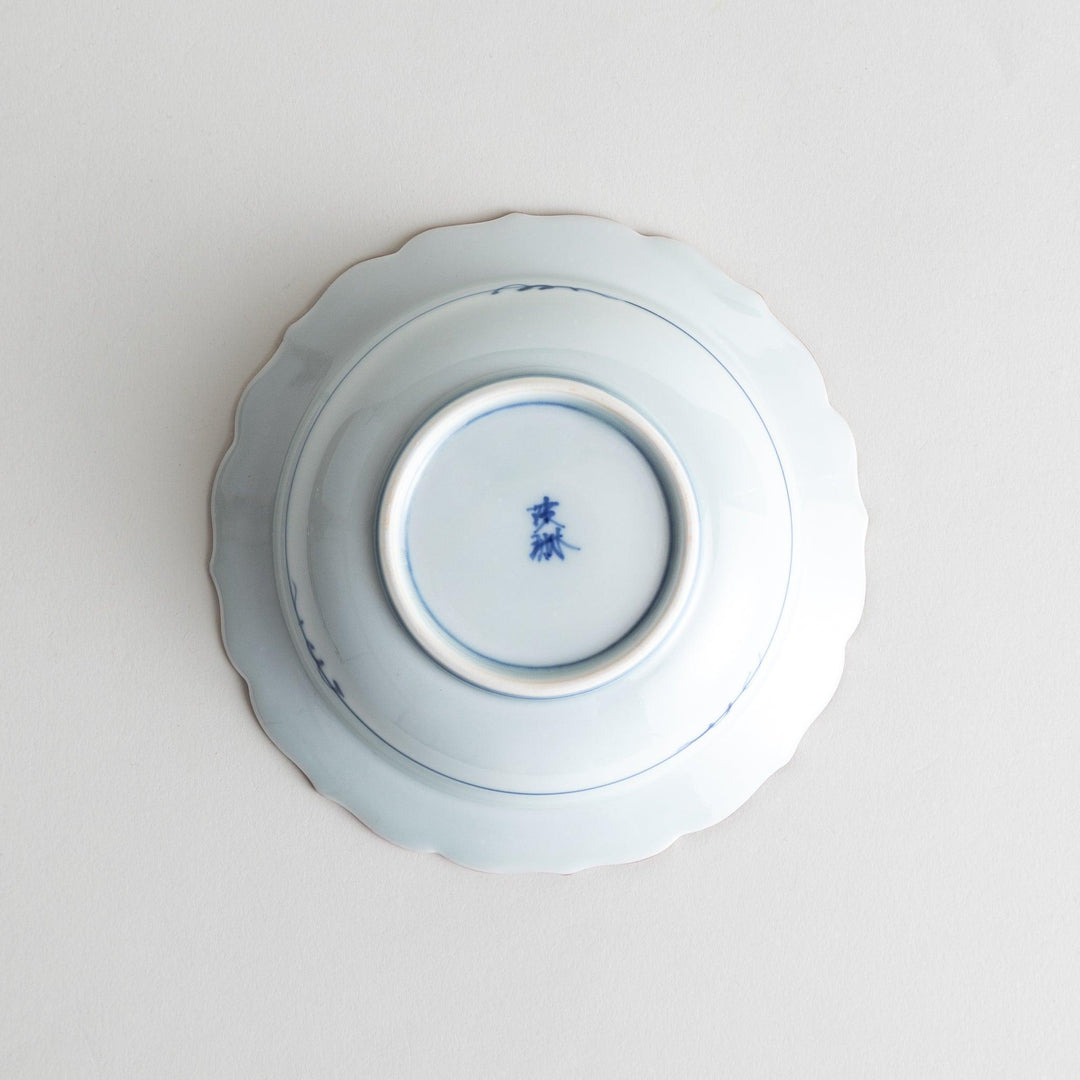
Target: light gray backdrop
(179, 181)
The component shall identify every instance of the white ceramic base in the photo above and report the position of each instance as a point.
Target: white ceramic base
(538, 543)
(481, 565)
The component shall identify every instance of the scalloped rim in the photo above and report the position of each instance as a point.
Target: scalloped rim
(638, 817)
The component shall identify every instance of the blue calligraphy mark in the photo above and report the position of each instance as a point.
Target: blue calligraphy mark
(547, 535)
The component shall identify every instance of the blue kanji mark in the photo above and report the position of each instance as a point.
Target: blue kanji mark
(547, 534)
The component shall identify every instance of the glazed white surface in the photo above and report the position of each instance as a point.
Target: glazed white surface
(182, 181)
(634, 514)
(505, 782)
(476, 581)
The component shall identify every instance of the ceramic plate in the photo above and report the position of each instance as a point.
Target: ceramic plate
(538, 543)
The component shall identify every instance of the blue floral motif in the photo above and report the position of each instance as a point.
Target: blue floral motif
(519, 287)
(320, 663)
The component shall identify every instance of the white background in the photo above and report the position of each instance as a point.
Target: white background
(179, 181)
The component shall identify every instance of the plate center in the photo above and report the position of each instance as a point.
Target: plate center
(538, 535)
